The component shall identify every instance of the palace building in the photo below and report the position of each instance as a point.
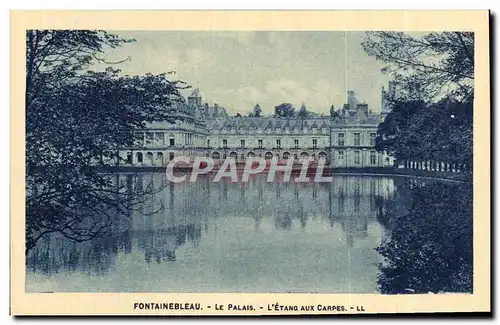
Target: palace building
(345, 137)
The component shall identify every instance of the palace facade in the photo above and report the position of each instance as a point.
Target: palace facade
(345, 137)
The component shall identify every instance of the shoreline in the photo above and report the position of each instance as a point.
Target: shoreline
(363, 171)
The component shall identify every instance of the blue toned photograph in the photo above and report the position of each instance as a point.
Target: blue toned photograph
(249, 162)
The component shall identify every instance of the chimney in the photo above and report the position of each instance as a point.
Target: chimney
(351, 100)
(205, 110)
(363, 107)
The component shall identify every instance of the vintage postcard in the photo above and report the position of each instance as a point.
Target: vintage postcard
(250, 163)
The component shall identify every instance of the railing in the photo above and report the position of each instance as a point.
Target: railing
(439, 166)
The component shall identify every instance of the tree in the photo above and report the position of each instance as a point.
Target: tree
(284, 110)
(435, 65)
(437, 132)
(77, 119)
(392, 135)
(257, 111)
(431, 118)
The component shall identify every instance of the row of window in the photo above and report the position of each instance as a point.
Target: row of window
(149, 157)
(276, 130)
(357, 139)
(340, 156)
(357, 157)
(189, 139)
(260, 143)
(267, 155)
(152, 138)
(340, 141)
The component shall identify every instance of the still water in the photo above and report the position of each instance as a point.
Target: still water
(358, 234)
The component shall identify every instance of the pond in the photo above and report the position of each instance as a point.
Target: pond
(357, 234)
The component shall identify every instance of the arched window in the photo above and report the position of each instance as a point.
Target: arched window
(149, 158)
(268, 155)
(250, 155)
(139, 157)
(233, 155)
(286, 155)
(159, 158)
(215, 155)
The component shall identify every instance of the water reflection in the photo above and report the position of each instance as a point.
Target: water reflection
(430, 246)
(254, 237)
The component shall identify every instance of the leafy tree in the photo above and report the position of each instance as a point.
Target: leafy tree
(77, 118)
(257, 111)
(431, 118)
(434, 65)
(393, 134)
(284, 110)
(439, 132)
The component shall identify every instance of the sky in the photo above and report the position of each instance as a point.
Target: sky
(237, 69)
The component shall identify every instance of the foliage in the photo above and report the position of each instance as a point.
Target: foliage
(433, 66)
(430, 247)
(257, 111)
(431, 118)
(76, 118)
(284, 110)
(440, 132)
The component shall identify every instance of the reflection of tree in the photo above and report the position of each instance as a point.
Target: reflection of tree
(99, 255)
(160, 244)
(94, 257)
(388, 210)
(430, 249)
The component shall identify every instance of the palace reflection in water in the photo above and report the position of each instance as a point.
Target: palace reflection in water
(234, 237)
